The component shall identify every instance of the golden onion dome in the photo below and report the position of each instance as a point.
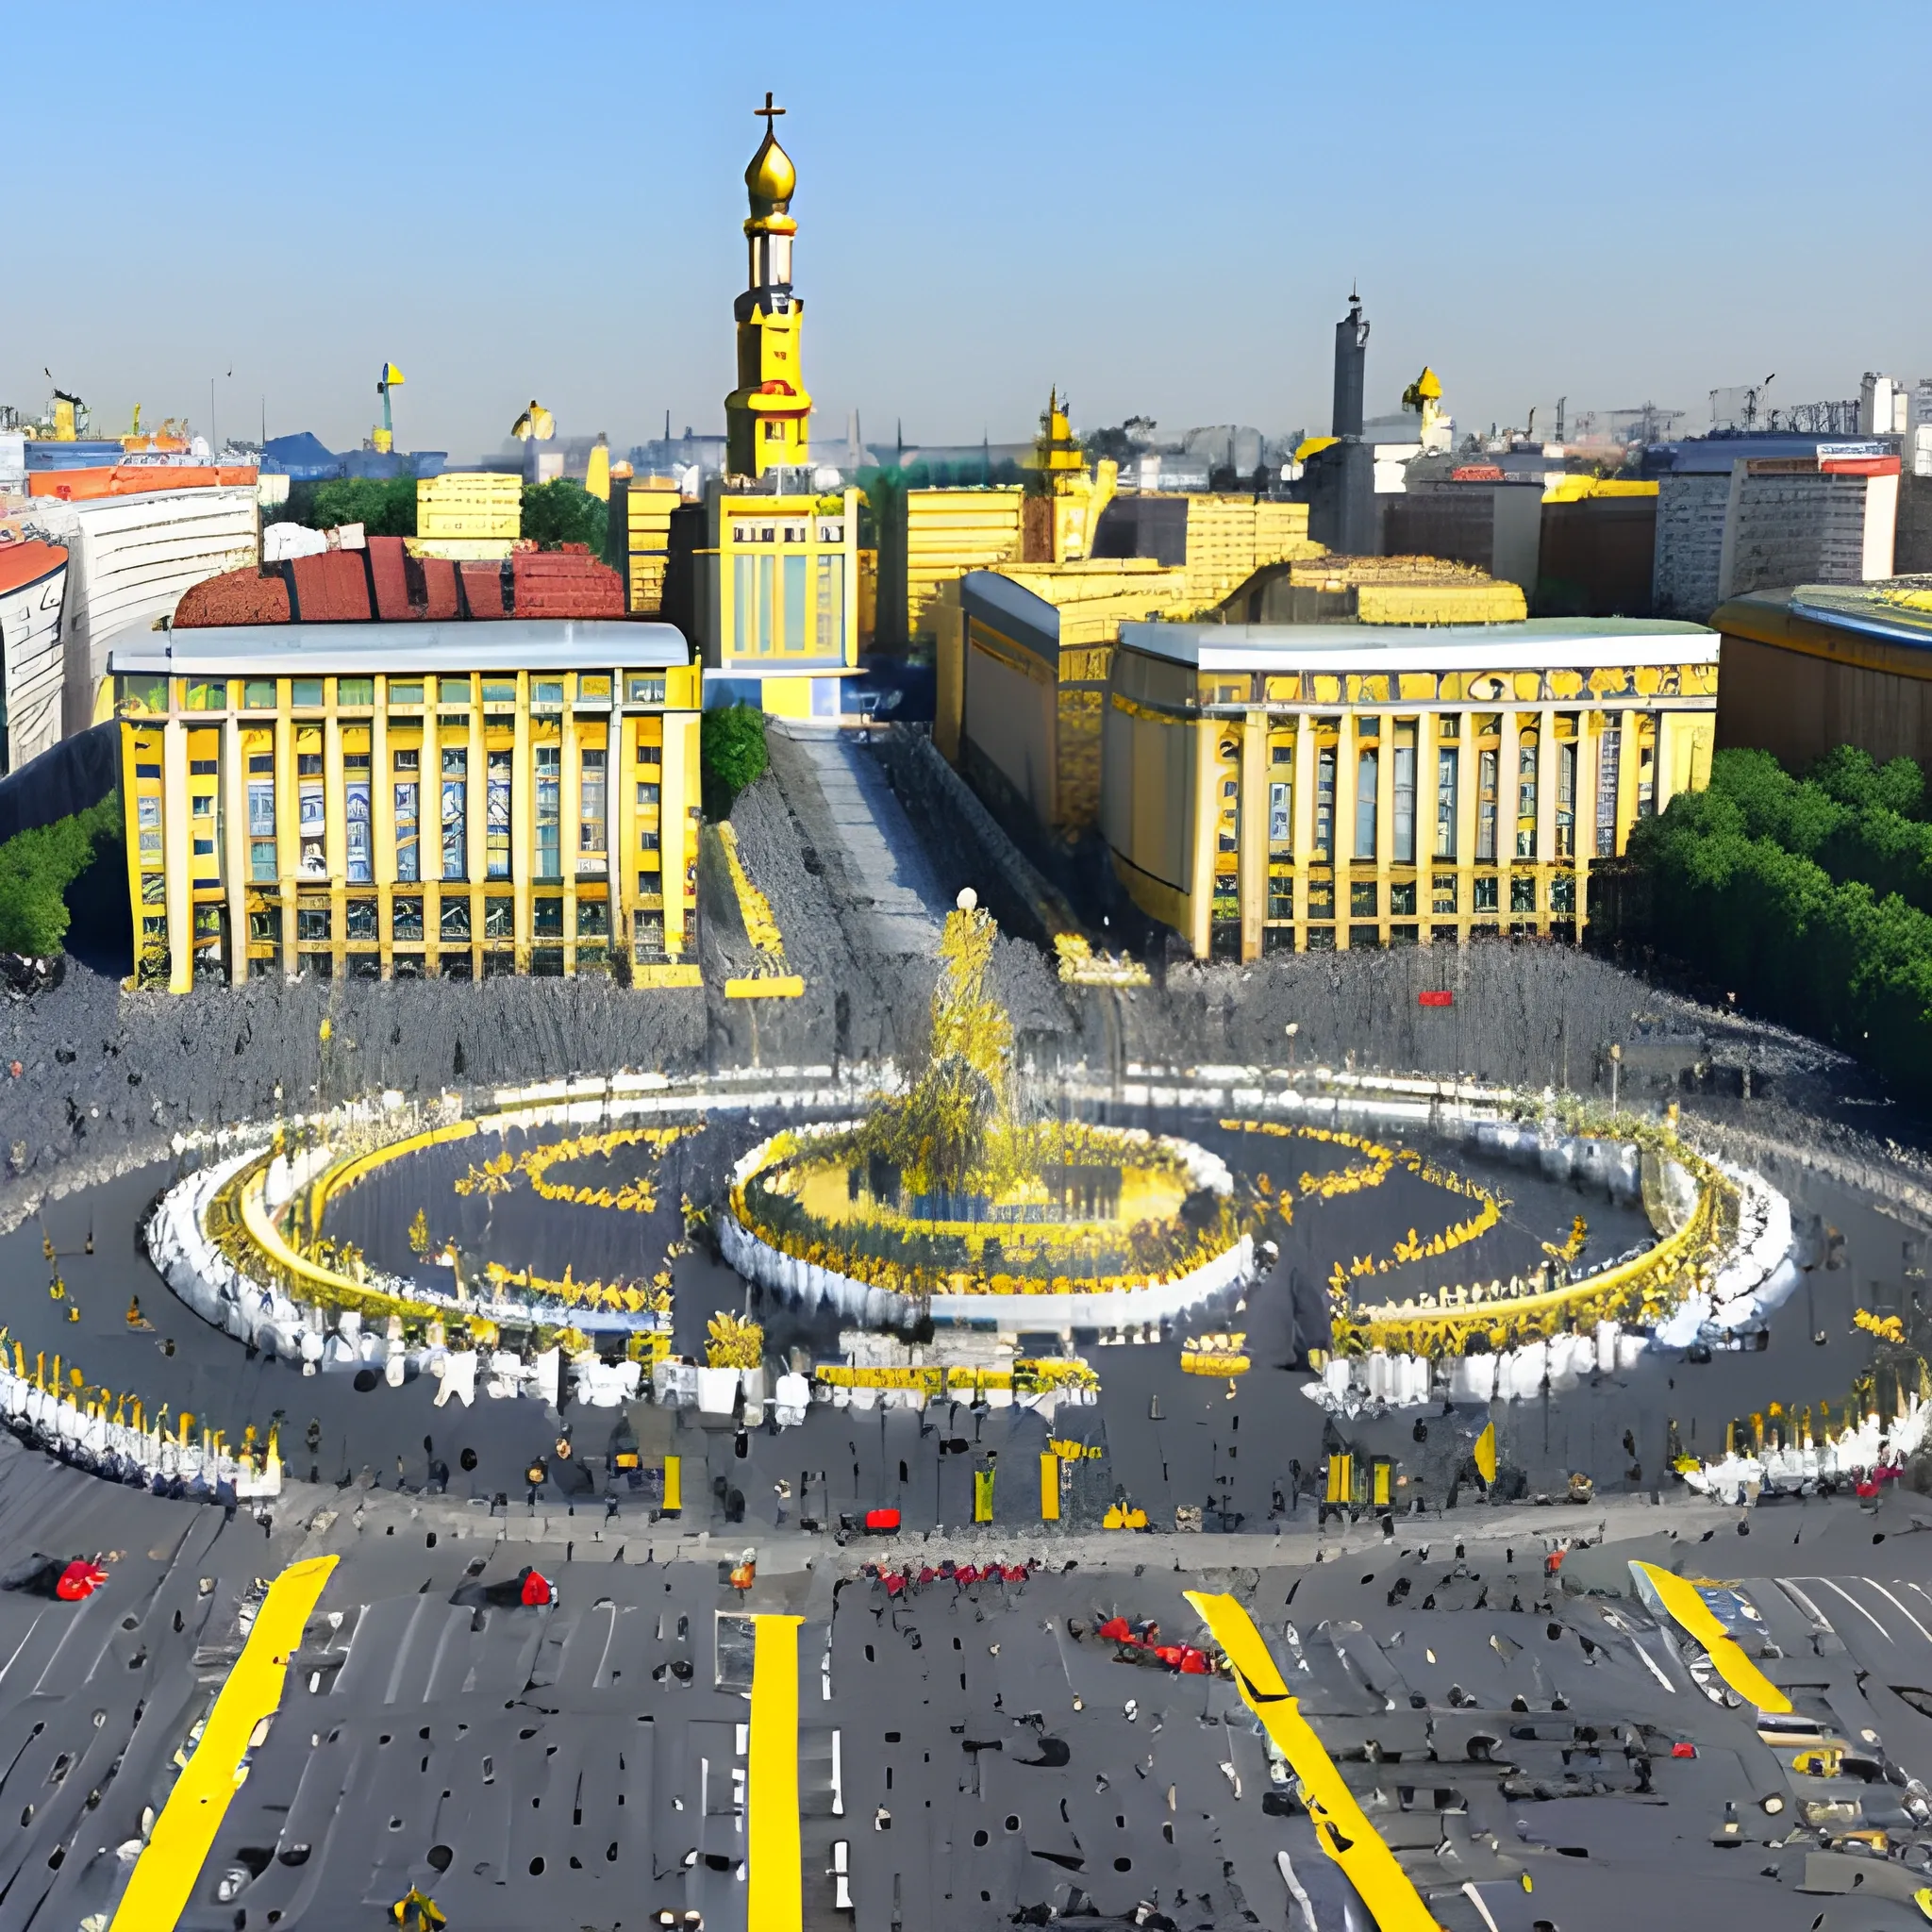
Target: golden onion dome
(771, 177)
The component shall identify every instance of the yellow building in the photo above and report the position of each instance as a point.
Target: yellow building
(1024, 648)
(1314, 786)
(381, 800)
(774, 593)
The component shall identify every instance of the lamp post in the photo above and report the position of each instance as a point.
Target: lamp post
(1294, 1028)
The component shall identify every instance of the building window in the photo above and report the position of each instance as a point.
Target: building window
(1442, 892)
(408, 823)
(452, 691)
(546, 916)
(204, 848)
(646, 690)
(1280, 891)
(547, 693)
(313, 823)
(1485, 893)
(496, 825)
(1526, 750)
(592, 794)
(1401, 899)
(265, 925)
(259, 694)
(1566, 799)
(154, 888)
(593, 689)
(406, 694)
(797, 639)
(1523, 891)
(313, 925)
(455, 787)
(1325, 802)
(411, 760)
(358, 918)
(455, 924)
(1563, 891)
(1320, 898)
(1361, 899)
(1280, 814)
(1608, 747)
(355, 693)
(406, 917)
(1404, 801)
(647, 795)
(593, 918)
(1366, 765)
(498, 692)
(1486, 771)
(647, 841)
(499, 917)
(262, 814)
(1228, 896)
(355, 824)
(830, 611)
(304, 694)
(549, 812)
(1445, 800)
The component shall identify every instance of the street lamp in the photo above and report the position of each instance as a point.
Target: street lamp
(1294, 1028)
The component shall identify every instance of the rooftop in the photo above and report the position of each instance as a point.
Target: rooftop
(351, 650)
(1527, 645)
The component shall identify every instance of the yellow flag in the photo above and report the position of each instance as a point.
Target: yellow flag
(1485, 1452)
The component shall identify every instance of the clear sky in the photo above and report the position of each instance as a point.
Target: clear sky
(1160, 207)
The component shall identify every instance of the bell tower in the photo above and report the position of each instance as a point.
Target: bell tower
(767, 416)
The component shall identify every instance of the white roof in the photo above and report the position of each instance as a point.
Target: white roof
(1530, 646)
(399, 649)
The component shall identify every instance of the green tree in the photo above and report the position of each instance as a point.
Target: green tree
(383, 508)
(564, 512)
(732, 754)
(38, 867)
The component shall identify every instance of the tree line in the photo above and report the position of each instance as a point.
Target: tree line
(1807, 898)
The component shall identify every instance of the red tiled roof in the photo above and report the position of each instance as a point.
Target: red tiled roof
(332, 588)
(442, 602)
(237, 596)
(565, 583)
(482, 589)
(389, 571)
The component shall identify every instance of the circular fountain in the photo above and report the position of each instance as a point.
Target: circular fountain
(947, 1203)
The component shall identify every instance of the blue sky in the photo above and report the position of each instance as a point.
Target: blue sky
(1160, 207)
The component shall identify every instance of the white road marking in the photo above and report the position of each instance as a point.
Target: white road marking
(1854, 1604)
(1898, 1606)
(1805, 1604)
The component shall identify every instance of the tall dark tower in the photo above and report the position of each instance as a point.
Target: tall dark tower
(1351, 368)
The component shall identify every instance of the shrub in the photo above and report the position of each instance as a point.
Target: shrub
(564, 512)
(36, 868)
(732, 754)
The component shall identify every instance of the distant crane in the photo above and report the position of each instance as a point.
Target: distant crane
(1648, 422)
(1742, 405)
(384, 439)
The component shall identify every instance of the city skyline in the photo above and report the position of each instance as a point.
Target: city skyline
(1160, 223)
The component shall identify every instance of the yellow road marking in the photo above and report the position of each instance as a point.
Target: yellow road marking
(779, 987)
(1680, 1600)
(775, 1896)
(164, 1875)
(1340, 1826)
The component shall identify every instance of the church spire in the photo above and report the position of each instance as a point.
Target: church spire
(767, 416)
